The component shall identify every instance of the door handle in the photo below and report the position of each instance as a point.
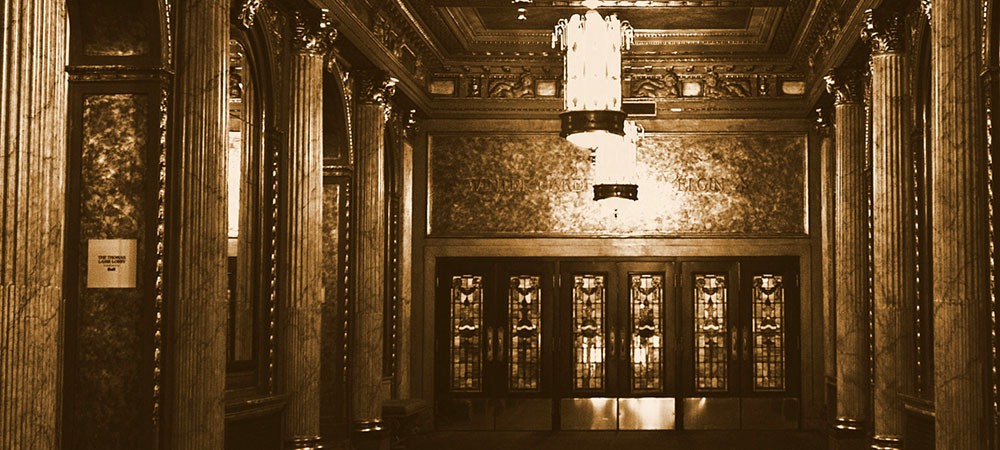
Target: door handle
(501, 356)
(611, 344)
(623, 350)
(746, 344)
(733, 343)
(489, 344)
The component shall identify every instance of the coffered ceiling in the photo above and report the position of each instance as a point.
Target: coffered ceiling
(736, 54)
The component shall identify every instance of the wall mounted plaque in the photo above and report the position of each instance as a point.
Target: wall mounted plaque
(111, 263)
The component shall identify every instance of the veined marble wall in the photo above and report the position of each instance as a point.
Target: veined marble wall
(689, 184)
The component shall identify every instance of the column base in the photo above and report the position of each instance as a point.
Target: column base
(305, 443)
(849, 434)
(880, 442)
(369, 435)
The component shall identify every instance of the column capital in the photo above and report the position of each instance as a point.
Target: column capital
(883, 31)
(822, 122)
(248, 12)
(313, 35)
(846, 85)
(375, 87)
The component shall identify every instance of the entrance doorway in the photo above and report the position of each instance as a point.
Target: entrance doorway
(572, 344)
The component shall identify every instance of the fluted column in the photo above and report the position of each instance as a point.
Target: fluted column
(32, 211)
(828, 181)
(959, 233)
(301, 232)
(195, 285)
(893, 215)
(853, 388)
(365, 363)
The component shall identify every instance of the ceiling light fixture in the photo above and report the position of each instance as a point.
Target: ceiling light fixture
(592, 116)
(592, 87)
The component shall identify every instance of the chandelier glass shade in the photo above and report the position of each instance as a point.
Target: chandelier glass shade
(592, 91)
(614, 166)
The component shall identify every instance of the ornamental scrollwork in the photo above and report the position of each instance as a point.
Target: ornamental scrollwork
(884, 32)
(375, 87)
(248, 12)
(846, 86)
(523, 87)
(314, 36)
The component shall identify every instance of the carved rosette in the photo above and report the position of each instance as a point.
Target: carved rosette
(846, 85)
(883, 31)
(314, 36)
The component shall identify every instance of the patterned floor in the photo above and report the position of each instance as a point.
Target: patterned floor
(608, 440)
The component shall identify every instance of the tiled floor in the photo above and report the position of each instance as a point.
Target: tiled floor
(609, 440)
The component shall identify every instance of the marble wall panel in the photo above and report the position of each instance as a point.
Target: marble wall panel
(332, 399)
(689, 184)
(116, 27)
(112, 387)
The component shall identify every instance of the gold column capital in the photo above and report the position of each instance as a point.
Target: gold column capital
(883, 31)
(313, 35)
(846, 85)
(375, 87)
(248, 12)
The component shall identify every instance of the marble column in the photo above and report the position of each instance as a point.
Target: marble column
(301, 232)
(365, 361)
(32, 207)
(195, 279)
(959, 229)
(828, 180)
(853, 390)
(893, 215)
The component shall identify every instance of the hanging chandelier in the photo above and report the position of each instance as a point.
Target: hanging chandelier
(592, 116)
(614, 166)
(592, 90)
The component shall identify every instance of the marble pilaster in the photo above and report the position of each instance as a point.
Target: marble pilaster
(853, 390)
(32, 207)
(828, 179)
(959, 230)
(301, 233)
(195, 280)
(893, 218)
(365, 362)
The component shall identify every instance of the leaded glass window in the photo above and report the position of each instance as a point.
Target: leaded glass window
(646, 299)
(710, 332)
(588, 331)
(768, 333)
(524, 309)
(466, 333)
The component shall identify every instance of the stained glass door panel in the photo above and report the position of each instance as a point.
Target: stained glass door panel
(589, 340)
(466, 325)
(711, 332)
(646, 298)
(768, 333)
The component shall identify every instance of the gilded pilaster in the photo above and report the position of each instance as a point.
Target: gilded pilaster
(32, 210)
(853, 390)
(195, 284)
(959, 231)
(893, 239)
(301, 233)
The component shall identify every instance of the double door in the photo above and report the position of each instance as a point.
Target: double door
(571, 344)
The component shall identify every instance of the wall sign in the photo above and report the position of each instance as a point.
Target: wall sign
(111, 263)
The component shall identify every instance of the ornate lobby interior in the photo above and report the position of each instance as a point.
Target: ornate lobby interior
(496, 224)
